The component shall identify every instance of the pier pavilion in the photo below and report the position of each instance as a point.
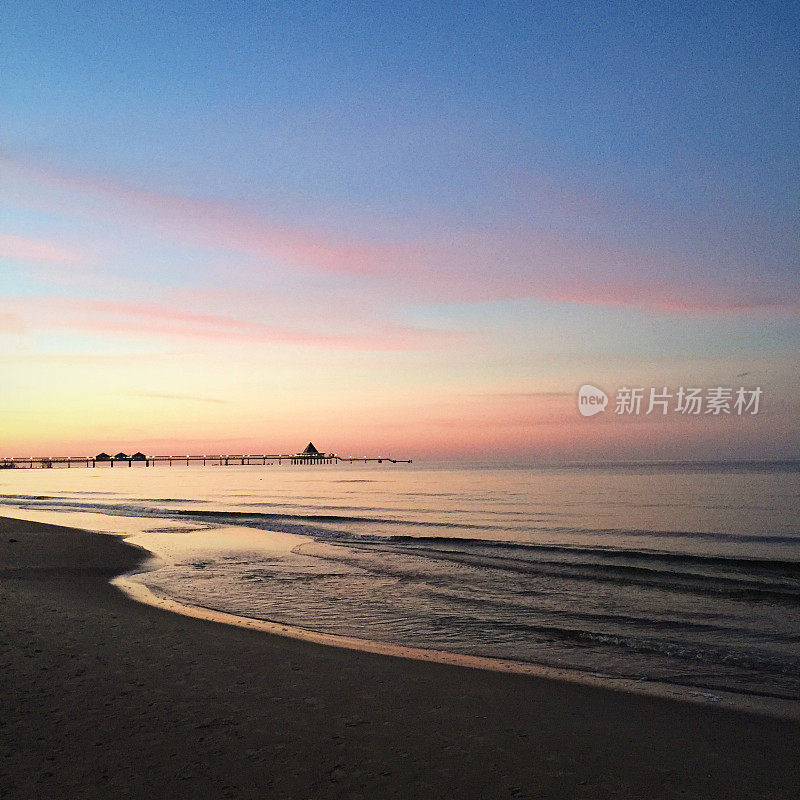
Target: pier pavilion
(312, 456)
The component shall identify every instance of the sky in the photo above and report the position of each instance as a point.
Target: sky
(412, 229)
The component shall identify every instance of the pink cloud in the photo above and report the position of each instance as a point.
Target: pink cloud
(149, 319)
(26, 249)
(221, 226)
(11, 323)
(673, 299)
(581, 270)
(477, 266)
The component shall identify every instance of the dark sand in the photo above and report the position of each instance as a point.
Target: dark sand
(102, 697)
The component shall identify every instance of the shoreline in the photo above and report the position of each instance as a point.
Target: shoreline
(154, 558)
(776, 708)
(104, 696)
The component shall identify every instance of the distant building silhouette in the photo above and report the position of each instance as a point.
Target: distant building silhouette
(312, 456)
(102, 457)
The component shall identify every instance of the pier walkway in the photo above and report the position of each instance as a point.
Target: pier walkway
(226, 460)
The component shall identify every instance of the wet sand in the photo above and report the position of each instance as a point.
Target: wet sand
(104, 697)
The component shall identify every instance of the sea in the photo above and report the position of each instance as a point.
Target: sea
(685, 576)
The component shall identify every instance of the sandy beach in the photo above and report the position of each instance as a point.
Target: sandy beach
(105, 697)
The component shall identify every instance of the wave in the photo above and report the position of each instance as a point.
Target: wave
(741, 589)
(750, 659)
(322, 518)
(251, 517)
(608, 552)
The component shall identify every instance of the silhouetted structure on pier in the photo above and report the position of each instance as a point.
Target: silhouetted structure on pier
(312, 456)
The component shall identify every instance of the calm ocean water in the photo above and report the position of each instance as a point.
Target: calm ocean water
(688, 575)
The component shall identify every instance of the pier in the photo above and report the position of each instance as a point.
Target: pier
(306, 458)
